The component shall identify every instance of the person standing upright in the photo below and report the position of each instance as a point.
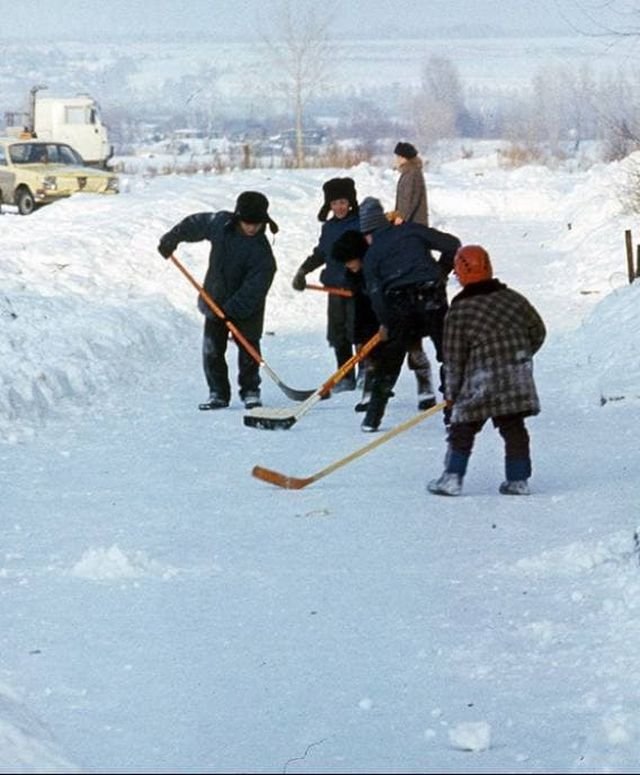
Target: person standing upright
(412, 207)
(240, 273)
(340, 199)
(491, 334)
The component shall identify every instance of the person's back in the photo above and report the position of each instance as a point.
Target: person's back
(412, 204)
(491, 334)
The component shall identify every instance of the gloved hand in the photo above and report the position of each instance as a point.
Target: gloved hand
(299, 282)
(167, 245)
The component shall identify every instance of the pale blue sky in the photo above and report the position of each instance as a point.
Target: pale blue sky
(232, 19)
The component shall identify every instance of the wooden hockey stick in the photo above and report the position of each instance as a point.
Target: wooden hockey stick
(292, 393)
(330, 289)
(294, 483)
(274, 419)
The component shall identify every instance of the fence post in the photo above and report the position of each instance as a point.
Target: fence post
(629, 244)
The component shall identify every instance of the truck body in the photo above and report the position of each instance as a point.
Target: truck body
(73, 120)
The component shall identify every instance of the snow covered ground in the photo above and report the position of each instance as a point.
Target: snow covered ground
(164, 611)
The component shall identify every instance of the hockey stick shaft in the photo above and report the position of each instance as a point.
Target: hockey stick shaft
(294, 483)
(330, 289)
(294, 395)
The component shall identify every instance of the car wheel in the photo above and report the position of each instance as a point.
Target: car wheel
(24, 201)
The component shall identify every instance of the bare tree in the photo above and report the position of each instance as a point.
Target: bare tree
(300, 49)
(439, 104)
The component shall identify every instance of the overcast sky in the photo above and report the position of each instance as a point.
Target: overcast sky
(233, 19)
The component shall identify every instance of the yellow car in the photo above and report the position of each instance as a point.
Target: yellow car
(35, 172)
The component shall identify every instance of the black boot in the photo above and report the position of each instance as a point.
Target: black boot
(380, 392)
(363, 404)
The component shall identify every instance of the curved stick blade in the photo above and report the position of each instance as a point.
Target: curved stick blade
(280, 480)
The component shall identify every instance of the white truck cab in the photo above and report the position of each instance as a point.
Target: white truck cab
(73, 120)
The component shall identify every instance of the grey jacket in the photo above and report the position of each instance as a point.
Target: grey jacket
(411, 193)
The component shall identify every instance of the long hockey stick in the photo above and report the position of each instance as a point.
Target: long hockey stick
(274, 419)
(330, 289)
(294, 395)
(293, 483)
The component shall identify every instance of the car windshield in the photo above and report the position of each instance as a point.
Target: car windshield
(44, 153)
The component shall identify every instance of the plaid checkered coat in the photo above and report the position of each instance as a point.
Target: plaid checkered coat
(491, 333)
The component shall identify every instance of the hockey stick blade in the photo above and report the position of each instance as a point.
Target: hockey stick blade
(293, 483)
(267, 419)
(280, 480)
(273, 419)
(292, 393)
(268, 423)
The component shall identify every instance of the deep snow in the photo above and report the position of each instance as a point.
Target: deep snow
(164, 611)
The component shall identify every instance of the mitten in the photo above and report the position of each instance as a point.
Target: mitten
(299, 282)
(167, 245)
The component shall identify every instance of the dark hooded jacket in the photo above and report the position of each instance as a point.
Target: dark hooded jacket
(241, 269)
(334, 273)
(401, 256)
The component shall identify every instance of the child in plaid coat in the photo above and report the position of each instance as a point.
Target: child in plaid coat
(491, 333)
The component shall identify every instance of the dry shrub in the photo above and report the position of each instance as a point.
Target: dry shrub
(517, 155)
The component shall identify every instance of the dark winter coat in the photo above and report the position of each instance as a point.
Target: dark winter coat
(334, 274)
(241, 268)
(491, 333)
(401, 256)
(411, 193)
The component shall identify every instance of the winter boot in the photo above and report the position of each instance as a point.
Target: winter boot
(518, 487)
(448, 484)
(215, 402)
(251, 399)
(419, 363)
(517, 471)
(380, 391)
(363, 404)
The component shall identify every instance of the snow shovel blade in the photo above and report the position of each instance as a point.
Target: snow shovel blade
(255, 419)
(280, 480)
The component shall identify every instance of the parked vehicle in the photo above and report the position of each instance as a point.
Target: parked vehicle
(72, 120)
(34, 173)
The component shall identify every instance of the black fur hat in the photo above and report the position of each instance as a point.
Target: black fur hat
(349, 245)
(252, 207)
(406, 150)
(338, 188)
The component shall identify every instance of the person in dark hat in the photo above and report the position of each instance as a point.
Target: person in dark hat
(407, 288)
(240, 273)
(412, 207)
(340, 200)
(411, 190)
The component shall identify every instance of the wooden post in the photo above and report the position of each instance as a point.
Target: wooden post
(629, 244)
(637, 261)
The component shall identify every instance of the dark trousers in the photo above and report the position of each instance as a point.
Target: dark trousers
(413, 314)
(511, 427)
(214, 348)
